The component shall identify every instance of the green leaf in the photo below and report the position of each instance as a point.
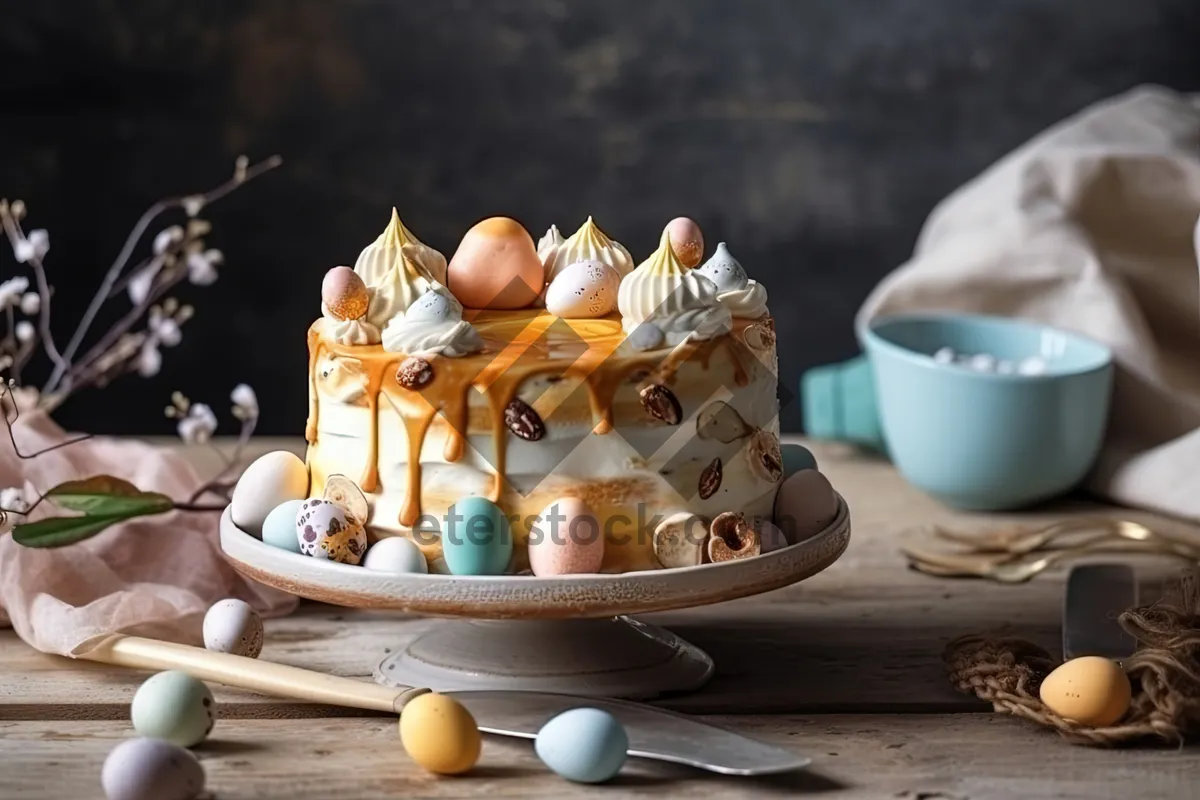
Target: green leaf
(104, 495)
(60, 531)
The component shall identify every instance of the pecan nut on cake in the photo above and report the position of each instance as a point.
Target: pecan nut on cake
(530, 374)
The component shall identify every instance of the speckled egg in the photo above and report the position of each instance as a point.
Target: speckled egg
(279, 528)
(327, 532)
(476, 539)
(566, 539)
(805, 505)
(151, 769)
(1090, 690)
(232, 626)
(436, 305)
(272, 479)
(396, 554)
(496, 266)
(686, 240)
(583, 290)
(173, 706)
(344, 294)
(440, 734)
(724, 270)
(585, 745)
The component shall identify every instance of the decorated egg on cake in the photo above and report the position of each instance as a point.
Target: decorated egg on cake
(396, 554)
(327, 532)
(805, 505)
(344, 294)
(232, 626)
(496, 266)
(272, 479)
(151, 769)
(686, 240)
(476, 539)
(724, 270)
(583, 290)
(566, 539)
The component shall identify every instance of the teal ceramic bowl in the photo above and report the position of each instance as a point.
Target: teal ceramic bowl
(982, 440)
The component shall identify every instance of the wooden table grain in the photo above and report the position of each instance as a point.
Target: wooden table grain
(845, 667)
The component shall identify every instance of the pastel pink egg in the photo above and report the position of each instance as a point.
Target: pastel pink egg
(496, 266)
(804, 505)
(686, 240)
(344, 293)
(567, 539)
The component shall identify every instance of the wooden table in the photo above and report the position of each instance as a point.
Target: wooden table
(844, 667)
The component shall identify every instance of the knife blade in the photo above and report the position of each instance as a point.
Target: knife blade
(1097, 595)
(653, 732)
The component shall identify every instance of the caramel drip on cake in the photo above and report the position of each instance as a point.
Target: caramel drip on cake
(519, 346)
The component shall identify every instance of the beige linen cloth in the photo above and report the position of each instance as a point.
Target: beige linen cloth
(151, 577)
(1092, 227)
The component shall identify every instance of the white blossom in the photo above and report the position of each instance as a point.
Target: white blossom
(139, 284)
(192, 204)
(245, 402)
(11, 291)
(202, 267)
(24, 331)
(198, 425)
(33, 246)
(167, 237)
(163, 328)
(149, 359)
(31, 303)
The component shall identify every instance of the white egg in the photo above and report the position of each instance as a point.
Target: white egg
(724, 270)
(151, 769)
(434, 306)
(583, 290)
(326, 532)
(269, 481)
(396, 554)
(232, 626)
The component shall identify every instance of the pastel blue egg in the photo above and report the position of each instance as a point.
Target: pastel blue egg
(795, 458)
(279, 528)
(585, 745)
(476, 538)
(173, 706)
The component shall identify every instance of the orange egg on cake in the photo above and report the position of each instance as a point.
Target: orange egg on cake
(496, 266)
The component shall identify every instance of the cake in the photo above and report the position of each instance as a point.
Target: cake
(530, 374)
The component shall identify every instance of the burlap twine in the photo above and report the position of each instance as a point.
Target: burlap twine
(1164, 673)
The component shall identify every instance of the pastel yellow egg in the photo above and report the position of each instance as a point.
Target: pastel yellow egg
(440, 734)
(686, 240)
(496, 266)
(1090, 690)
(344, 293)
(566, 539)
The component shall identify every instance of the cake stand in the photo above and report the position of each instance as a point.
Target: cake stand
(570, 635)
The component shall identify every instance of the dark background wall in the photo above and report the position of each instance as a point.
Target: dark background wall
(813, 136)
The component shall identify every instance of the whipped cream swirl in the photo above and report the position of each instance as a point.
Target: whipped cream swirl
(589, 243)
(677, 300)
(433, 324)
(745, 299)
(349, 332)
(398, 268)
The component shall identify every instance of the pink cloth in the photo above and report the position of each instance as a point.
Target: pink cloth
(152, 577)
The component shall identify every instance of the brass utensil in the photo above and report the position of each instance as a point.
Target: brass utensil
(1021, 541)
(1005, 570)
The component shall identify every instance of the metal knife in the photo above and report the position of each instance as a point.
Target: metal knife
(1097, 594)
(653, 733)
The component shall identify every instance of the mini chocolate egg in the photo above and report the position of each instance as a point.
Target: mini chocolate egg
(270, 480)
(805, 505)
(583, 290)
(476, 539)
(1090, 690)
(151, 769)
(327, 532)
(566, 539)
(279, 528)
(344, 294)
(396, 554)
(686, 240)
(440, 734)
(496, 266)
(724, 270)
(584, 745)
(173, 706)
(232, 626)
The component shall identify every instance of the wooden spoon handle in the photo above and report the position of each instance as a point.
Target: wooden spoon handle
(277, 680)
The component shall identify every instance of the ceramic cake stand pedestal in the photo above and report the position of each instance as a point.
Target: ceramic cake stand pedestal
(571, 635)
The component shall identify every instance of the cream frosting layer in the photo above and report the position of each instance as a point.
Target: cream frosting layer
(589, 243)
(678, 301)
(398, 268)
(349, 331)
(745, 298)
(433, 324)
